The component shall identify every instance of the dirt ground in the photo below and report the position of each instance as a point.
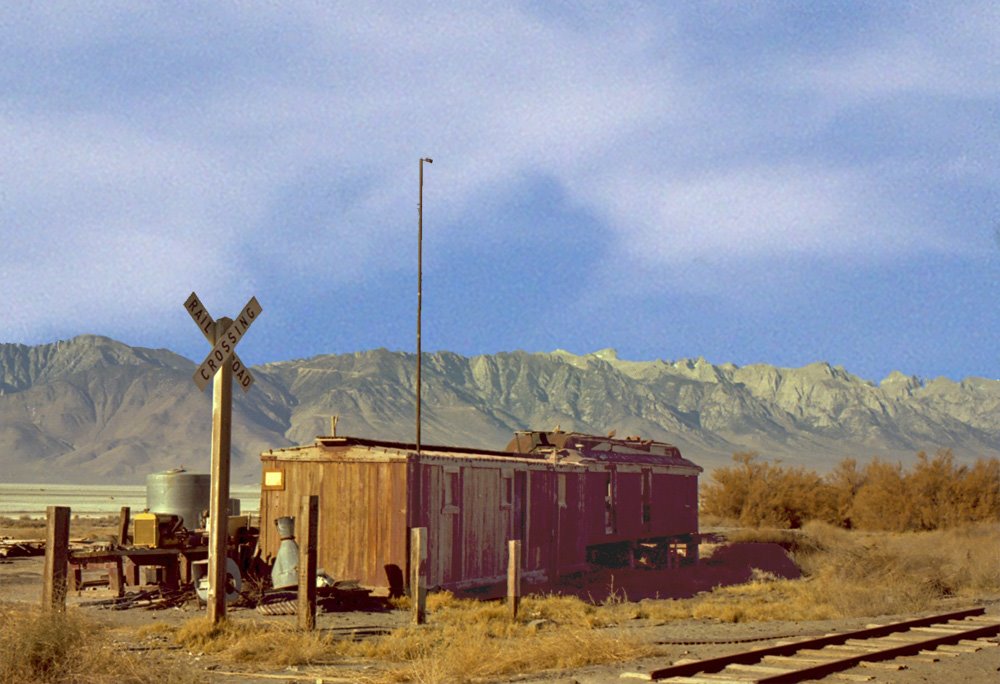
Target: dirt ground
(20, 581)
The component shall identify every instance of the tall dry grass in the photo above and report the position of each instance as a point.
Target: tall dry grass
(854, 574)
(464, 640)
(847, 574)
(58, 647)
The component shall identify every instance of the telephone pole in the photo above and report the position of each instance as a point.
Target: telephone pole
(420, 282)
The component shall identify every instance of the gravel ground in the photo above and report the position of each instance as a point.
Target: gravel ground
(20, 581)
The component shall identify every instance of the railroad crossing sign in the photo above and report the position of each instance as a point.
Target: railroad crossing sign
(222, 365)
(224, 344)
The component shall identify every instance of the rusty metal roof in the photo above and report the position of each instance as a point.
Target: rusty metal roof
(596, 448)
(538, 446)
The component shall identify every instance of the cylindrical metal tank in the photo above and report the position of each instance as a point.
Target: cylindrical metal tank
(178, 492)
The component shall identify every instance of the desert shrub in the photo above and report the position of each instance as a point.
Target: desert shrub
(758, 493)
(937, 493)
(55, 646)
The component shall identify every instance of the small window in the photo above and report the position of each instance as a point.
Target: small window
(274, 479)
(506, 490)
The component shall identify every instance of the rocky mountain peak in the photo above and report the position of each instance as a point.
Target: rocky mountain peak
(93, 408)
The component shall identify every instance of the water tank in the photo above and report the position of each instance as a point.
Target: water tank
(178, 492)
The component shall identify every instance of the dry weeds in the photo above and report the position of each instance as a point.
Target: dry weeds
(51, 646)
(847, 574)
(81, 527)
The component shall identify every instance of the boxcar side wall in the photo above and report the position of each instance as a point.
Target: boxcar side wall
(472, 509)
(631, 503)
(472, 506)
(362, 523)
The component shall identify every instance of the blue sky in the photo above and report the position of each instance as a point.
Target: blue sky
(747, 182)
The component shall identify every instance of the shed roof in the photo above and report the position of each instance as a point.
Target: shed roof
(533, 446)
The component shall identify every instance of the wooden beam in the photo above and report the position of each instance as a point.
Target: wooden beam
(56, 558)
(222, 417)
(124, 518)
(514, 577)
(308, 525)
(418, 574)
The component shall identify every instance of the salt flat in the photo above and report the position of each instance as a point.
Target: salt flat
(17, 499)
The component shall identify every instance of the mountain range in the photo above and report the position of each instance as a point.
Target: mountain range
(94, 410)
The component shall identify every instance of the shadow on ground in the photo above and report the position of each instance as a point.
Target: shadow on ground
(728, 564)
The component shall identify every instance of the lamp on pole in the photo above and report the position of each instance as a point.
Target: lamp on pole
(420, 281)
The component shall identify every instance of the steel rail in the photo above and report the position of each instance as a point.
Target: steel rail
(790, 648)
(817, 670)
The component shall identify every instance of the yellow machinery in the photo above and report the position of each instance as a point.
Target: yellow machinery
(155, 530)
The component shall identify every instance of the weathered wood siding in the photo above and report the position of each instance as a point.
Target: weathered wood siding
(371, 495)
(362, 522)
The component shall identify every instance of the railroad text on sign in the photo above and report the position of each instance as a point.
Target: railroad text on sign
(206, 323)
(225, 344)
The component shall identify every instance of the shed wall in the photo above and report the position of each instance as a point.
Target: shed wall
(362, 522)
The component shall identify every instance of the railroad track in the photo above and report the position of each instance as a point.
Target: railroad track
(814, 658)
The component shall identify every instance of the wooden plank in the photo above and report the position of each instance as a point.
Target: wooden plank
(307, 534)
(56, 558)
(123, 521)
(514, 577)
(418, 578)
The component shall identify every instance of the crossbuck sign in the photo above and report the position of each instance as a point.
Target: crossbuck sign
(223, 365)
(225, 345)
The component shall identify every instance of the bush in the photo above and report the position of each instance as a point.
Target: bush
(936, 494)
(53, 646)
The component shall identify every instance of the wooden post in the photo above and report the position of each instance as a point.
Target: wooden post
(514, 576)
(222, 415)
(418, 574)
(124, 517)
(308, 524)
(56, 558)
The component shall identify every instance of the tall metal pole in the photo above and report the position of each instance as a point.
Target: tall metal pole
(420, 282)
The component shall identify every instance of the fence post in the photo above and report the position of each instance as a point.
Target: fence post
(418, 574)
(308, 534)
(124, 517)
(514, 576)
(56, 558)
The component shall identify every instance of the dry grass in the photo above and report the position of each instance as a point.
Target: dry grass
(468, 640)
(847, 574)
(47, 646)
(244, 641)
(851, 574)
(98, 528)
(464, 640)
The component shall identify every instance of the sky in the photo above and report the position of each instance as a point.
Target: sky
(759, 182)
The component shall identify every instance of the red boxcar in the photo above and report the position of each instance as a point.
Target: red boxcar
(571, 499)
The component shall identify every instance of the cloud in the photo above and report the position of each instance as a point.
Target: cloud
(229, 148)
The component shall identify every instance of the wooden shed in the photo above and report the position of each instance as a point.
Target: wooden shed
(571, 499)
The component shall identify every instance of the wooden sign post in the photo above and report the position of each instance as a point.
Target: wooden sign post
(220, 366)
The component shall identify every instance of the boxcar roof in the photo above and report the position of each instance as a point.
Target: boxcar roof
(569, 448)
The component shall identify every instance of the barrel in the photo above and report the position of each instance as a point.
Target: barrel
(178, 492)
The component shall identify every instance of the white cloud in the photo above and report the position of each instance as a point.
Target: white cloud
(204, 147)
